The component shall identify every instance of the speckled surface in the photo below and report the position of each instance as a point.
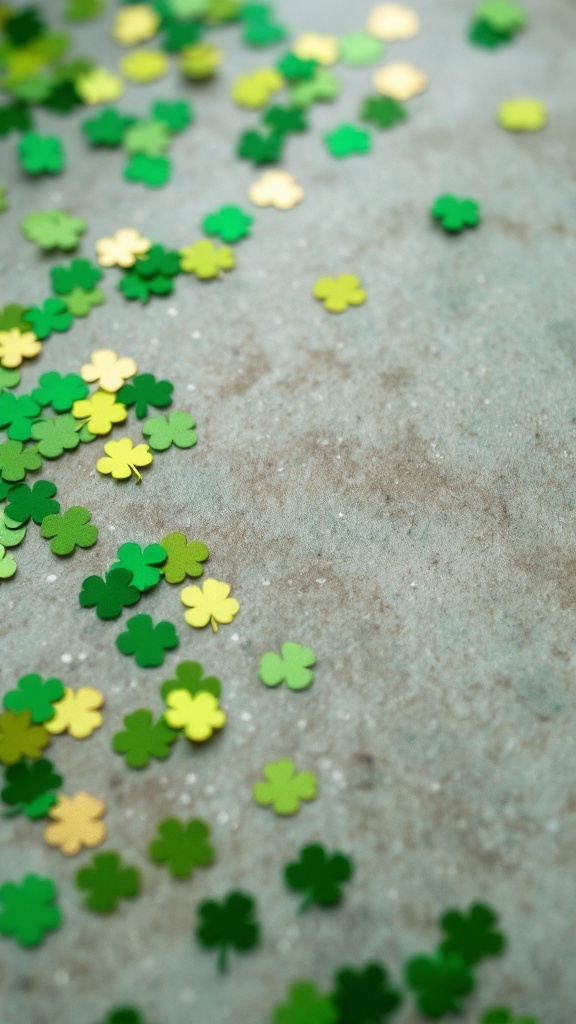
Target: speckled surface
(393, 487)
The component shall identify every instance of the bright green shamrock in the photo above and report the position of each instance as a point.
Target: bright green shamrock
(364, 995)
(16, 460)
(69, 530)
(147, 642)
(230, 223)
(347, 139)
(60, 392)
(135, 287)
(8, 378)
(455, 214)
(80, 274)
(295, 69)
(284, 788)
(35, 695)
(184, 557)
(149, 137)
(262, 32)
(206, 260)
(337, 293)
(182, 847)
(190, 676)
(84, 10)
(53, 229)
(107, 880)
(158, 261)
(382, 111)
(34, 502)
(501, 16)
(319, 875)
(502, 1015)
(144, 390)
(305, 1005)
(57, 435)
(178, 35)
(143, 739)
(228, 925)
(260, 149)
(143, 563)
(177, 428)
(30, 788)
(28, 909)
(472, 936)
(107, 128)
(7, 564)
(14, 117)
(12, 316)
(176, 114)
(322, 88)
(293, 667)
(41, 154)
(110, 595)
(11, 533)
(53, 315)
(79, 303)
(440, 983)
(17, 413)
(20, 738)
(153, 171)
(360, 48)
(285, 120)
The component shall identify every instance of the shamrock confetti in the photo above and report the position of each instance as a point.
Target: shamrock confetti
(256, 89)
(471, 936)
(260, 149)
(77, 713)
(144, 390)
(30, 788)
(123, 458)
(182, 847)
(53, 229)
(158, 261)
(360, 48)
(69, 530)
(278, 189)
(175, 429)
(522, 115)
(200, 61)
(12, 316)
(153, 171)
(28, 911)
(176, 114)
(53, 315)
(184, 557)
(100, 412)
(455, 214)
(319, 875)
(320, 49)
(35, 695)
(364, 995)
(143, 739)
(392, 22)
(99, 86)
(111, 595)
(323, 87)
(293, 667)
(76, 824)
(135, 24)
(107, 881)
(80, 302)
(107, 128)
(19, 738)
(144, 65)
(8, 379)
(34, 502)
(284, 788)
(501, 1015)
(230, 223)
(41, 154)
(147, 642)
(209, 603)
(337, 293)
(7, 564)
(150, 137)
(346, 140)
(206, 260)
(17, 414)
(144, 564)
(14, 117)
(502, 16)
(305, 1005)
(228, 925)
(190, 676)
(382, 111)
(80, 274)
(16, 460)
(16, 346)
(200, 715)
(295, 69)
(122, 249)
(58, 391)
(55, 436)
(440, 981)
(108, 369)
(11, 533)
(400, 80)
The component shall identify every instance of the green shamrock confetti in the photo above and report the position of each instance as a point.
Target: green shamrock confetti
(51, 316)
(501, 16)
(28, 909)
(22, 27)
(16, 460)
(34, 502)
(79, 302)
(360, 48)
(17, 413)
(143, 739)
(124, 1015)
(293, 667)
(14, 117)
(158, 260)
(12, 316)
(144, 390)
(19, 738)
(84, 10)
(80, 274)
(7, 564)
(107, 881)
(3, 198)
(260, 29)
(184, 557)
(69, 530)
(230, 223)
(179, 34)
(190, 676)
(30, 788)
(153, 171)
(364, 995)
(176, 114)
(182, 847)
(110, 595)
(382, 111)
(107, 128)
(285, 120)
(346, 140)
(284, 788)
(480, 34)
(143, 563)
(200, 62)
(149, 137)
(228, 925)
(62, 97)
(134, 287)
(260, 149)
(35, 695)
(57, 435)
(206, 260)
(337, 293)
(41, 154)
(177, 428)
(305, 1005)
(440, 983)
(472, 936)
(319, 875)
(295, 69)
(53, 229)
(502, 1015)
(9, 378)
(322, 88)
(59, 391)
(11, 533)
(147, 642)
(455, 214)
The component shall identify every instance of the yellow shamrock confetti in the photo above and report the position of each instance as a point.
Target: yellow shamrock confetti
(99, 86)
(122, 459)
(522, 115)
(313, 46)
(108, 369)
(100, 411)
(276, 188)
(144, 65)
(209, 603)
(77, 713)
(198, 715)
(200, 61)
(393, 21)
(76, 825)
(255, 89)
(400, 80)
(16, 346)
(135, 24)
(122, 248)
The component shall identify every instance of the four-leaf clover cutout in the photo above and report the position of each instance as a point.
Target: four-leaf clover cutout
(293, 667)
(285, 788)
(182, 846)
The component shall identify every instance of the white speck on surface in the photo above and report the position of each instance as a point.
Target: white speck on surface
(222, 817)
(245, 716)
(172, 311)
(185, 798)
(191, 778)
(51, 578)
(67, 659)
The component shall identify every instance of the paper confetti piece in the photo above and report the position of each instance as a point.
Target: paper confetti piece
(177, 428)
(143, 739)
(122, 248)
(313, 46)
(521, 114)
(100, 412)
(107, 881)
(76, 824)
(28, 910)
(209, 603)
(53, 229)
(368, 986)
(185, 557)
(123, 458)
(182, 846)
(305, 1003)
(392, 22)
(278, 189)
(77, 713)
(135, 24)
(206, 260)
(199, 716)
(455, 214)
(293, 667)
(99, 86)
(110, 595)
(69, 530)
(20, 738)
(35, 695)
(147, 642)
(346, 140)
(338, 293)
(400, 80)
(284, 788)
(16, 346)
(30, 788)
(41, 154)
(228, 925)
(108, 369)
(319, 875)
(144, 564)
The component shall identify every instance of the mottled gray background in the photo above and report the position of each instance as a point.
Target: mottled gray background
(393, 487)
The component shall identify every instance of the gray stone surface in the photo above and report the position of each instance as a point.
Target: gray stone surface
(393, 487)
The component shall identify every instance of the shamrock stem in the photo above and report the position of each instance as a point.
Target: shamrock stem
(12, 814)
(307, 901)
(223, 958)
(134, 470)
(214, 624)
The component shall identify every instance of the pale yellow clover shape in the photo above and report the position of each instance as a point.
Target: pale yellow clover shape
(209, 603)
(99, 86)
(100, 411)
(122, 248)
(135, 24)
(256, 88)
(144, 65)
(206, 260)
(313, 46)
(76, 823)
(123, 458)
(276, 188)
(77, 713)
(400, 80)
(16, 346)
(198, 715)
(522, 115)
(108, 369)
(391, 22)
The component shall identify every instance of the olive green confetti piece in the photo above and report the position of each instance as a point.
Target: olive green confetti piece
(338, 293)
(3, 198)
(53, 229)
(357, 49)
(153, 171)
(228, 925)
(41, 154)
(143, 739)
(305, 1005)
(107, 881)
(284, 788)
(79, 303)
(182, 846)
(177, 428)
(28, 910)
(185, 558)
(53, 315)
(149, 137)
(12, 316)
(69, 530)
(16, 460)
(84, 10)
(35, 695)
(200, 61)
(206, 260)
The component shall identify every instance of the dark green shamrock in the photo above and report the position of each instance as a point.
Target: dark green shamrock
(107, 128)
(124, 1015)
(147, 642)
(69, 530)
(134, 287)
(440, 983)
(60, 392)
(57, 435)
(14, 117)
(158, 261)
(228, 925)
(51, 316)
(472, 936)
(62, 98)
(143, 739)
(182, 847)
(30, 788)
(364, 995)
(179, 34)
(153, 171)
(502, 1015)
(110, 595)
(285, 120)
(24, 26)
(107, 881)
(177, 114)
(17, 413)
(34, 502)
(260, 149)
(305, 1005)
(319, 875)
(80, 274)
(144, 390)
(382, 111)
(455, 214)
(190, 676)
(35, 695)
(27, 909)
(16, 460)
(41, 154)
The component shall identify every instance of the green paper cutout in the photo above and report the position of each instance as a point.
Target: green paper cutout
(60, 391)
(179, 34)
(143, 563)
(80, 274)
(206, 260)
(319, 875)
(346, 140)
(35, 695)
(502, 1015)
(383, 111)
(107, 128)
(79, 302)
(29, 788)
(134, 287)
(9, 378)
(29, 912)
(144, 390)
(147, 642)
(153, 171)
(62, 97)
(57, 435)
(53, 229)
(480, 34)
(11, 533)
(293, 667)
(295, 69)
(164, 431)
(189, 676)
(142, 740)
(158, 261)
(3, 198)
(84, 10)
(306, 1005)
(322, 88)
(455, 214)
(364, 995)
(230, 924)
(124, 1015)
(19, 738)
(12, 316)
(230, 223)
(107, 881)
(182, 847)
(17, 413)
(184, 557)
(41, 154)
(337, 293)
(440, 983)
(360, 48)
(34, 502)
(14, 117)
(110, 595)
(501, 16)
(16, 460)
(260, 149)
(24, 26)
(7, 564)
(284, 789)
(285, 120)
(262, 32)
(35, 89)
(69, 530)
(149, 137)
(51, 316)
(176, 114)
(472, 936)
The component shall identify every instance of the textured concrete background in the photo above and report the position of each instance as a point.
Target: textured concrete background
(393, 487)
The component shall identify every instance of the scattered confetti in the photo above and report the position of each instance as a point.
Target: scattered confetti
(313, 46)
(77, 713)
(184, 557)
(209, 603)
(99, 86)
(323, 87)
(144, 390)
(100, 412)
(81, 274)
(200, 61)
(123, 458)
(110, 595)
(76, 824)
(400, 81)
(182, 847)
(357, 49)
(135, 24)
(230, 223)
(144, 564)
(175, 429)
(521, 115)
(30, 788)
(143, 739)
(206, 260)
(41, 154)
(147, 642)
(34, 502)
(337, 293)
(228, 925)
(122, 249)
(16, 461)
(55, 436)
(69, 530)
(107, 128)
(35, 695)
(285, 788)
(278, 189)
(199, 715)
(382, 111)
(346, 139)
(471, 936)
(256, 89)
(7, 564)
(52, 316)
(392, 22)
(293, 667)
(28, 909)
(455, 214)
(108, 370)
(502, 16)
(260, 149)
(17, 414)
(149, 137)
(107, 881)
(16, 346)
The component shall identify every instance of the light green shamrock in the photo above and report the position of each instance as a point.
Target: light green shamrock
(284, 788)
(360, 48)
(293, 667)
(53, 229)
(502, 16)
(80, 302)
(337, 293)
(205, 260)
(150, 137)
(7, 564)
(322, 88)
(164, 431)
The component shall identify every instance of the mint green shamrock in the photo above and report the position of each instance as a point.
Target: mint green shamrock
(360, 48)
(35, 695)
(41, 154)
(346, 139)
(28, 909)
(53, 315)
(53, 229)
(149, 137)
(79, 303)
(57, 435)
(176, 428)
(293, 667)
(7, 564)
(502, 16)
(322, 88)
(8, 378)
(305, 1005)
(153, 171)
